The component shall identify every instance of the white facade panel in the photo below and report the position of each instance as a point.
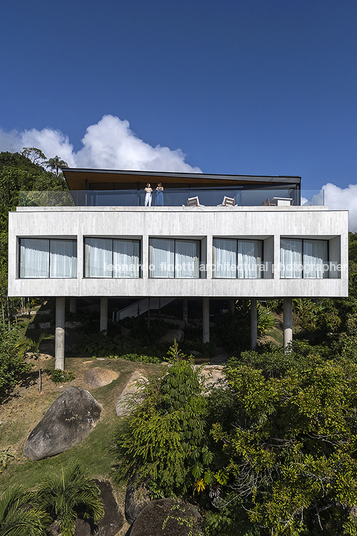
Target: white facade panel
(202, 223)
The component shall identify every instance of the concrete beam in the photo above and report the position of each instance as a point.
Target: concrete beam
(60, 333)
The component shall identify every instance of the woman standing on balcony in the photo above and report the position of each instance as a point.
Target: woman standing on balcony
(159, 195)
(148, 197)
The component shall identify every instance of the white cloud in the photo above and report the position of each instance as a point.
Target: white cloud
(108, 144)
(342, 199)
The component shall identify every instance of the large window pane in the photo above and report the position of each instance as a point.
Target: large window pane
(315, 259)
(291, 258)
(249, 258)
(225, 257)
(126, 258)
(187, 258)
(98, 257)
(63, 258)
(162, 258)
(34, 257)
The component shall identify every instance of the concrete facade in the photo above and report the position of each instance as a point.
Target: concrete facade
(201, 223)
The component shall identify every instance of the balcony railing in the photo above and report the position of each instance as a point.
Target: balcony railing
(172, 197)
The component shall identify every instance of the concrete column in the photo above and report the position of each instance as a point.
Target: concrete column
(185, 310)
(231, 305)
(253, 324)
(72, 305)
(59, 333)
(205, 320)
(103, 326)
(288, 321)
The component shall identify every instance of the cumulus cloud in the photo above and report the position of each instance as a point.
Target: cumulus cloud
(342, 199)
(109, 144)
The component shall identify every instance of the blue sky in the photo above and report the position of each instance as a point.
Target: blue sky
(264, 87)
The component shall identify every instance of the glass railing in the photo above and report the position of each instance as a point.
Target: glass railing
(173, 197)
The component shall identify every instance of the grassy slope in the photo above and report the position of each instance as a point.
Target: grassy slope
(26, 408)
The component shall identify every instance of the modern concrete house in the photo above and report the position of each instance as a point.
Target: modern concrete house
(214, 236)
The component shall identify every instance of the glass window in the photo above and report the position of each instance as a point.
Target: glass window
(303, 258)
(234, 258)
(48, 258)
(111, 258)
(174, 258)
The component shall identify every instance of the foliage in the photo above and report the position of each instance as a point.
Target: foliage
(12, 364)
(18, 517)
(164, 439)
(5, 457)
(68, 495)
(291, 447)
(61, 376)
(56, 164)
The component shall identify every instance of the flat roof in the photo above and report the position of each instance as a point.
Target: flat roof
(93, 179)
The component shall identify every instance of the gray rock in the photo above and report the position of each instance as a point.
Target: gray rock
(131, 394)
(171, 335)
(177, 517)
(113, 520)
(98, 377)
(67, 422)
(136, 498)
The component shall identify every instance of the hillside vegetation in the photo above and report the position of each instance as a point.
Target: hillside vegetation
(272, 450)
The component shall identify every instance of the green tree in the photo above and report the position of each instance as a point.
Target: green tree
(18, 517)
(289, 453)
(68, 495)
(12, 364)
(164, 440)
(56, 163)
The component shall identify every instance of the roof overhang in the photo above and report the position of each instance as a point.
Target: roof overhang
(94, 179)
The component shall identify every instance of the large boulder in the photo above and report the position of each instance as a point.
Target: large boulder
(113, 519)
(136, 498)
(67, 422)
(168, 517)
(98, 377)
(131, 394)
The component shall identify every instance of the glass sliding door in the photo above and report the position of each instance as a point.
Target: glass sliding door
(234, 258)
(112, 257)
(187, 255)
(162, 258)
(174, 258)
(63, 258)
(291, 258)
(224, 258)
(249, 259)
(315, 259)
(126, 256)
(303, 258)
(48, 258)
(34, 257)
(98, 257)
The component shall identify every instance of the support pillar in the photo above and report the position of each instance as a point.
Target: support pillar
(231, 306)
(205, 320)
(72, 305)
(59, 333)
(288, 322)
(185, 310)
(103, 326)
(253, 324)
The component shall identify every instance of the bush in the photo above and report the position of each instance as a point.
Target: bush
(12, 365)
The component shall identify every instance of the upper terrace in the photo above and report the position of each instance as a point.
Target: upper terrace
(93, 187)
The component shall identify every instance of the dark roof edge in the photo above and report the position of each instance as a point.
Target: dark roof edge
(272, 178)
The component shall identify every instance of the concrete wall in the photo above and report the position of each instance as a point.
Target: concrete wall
(204, 223)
